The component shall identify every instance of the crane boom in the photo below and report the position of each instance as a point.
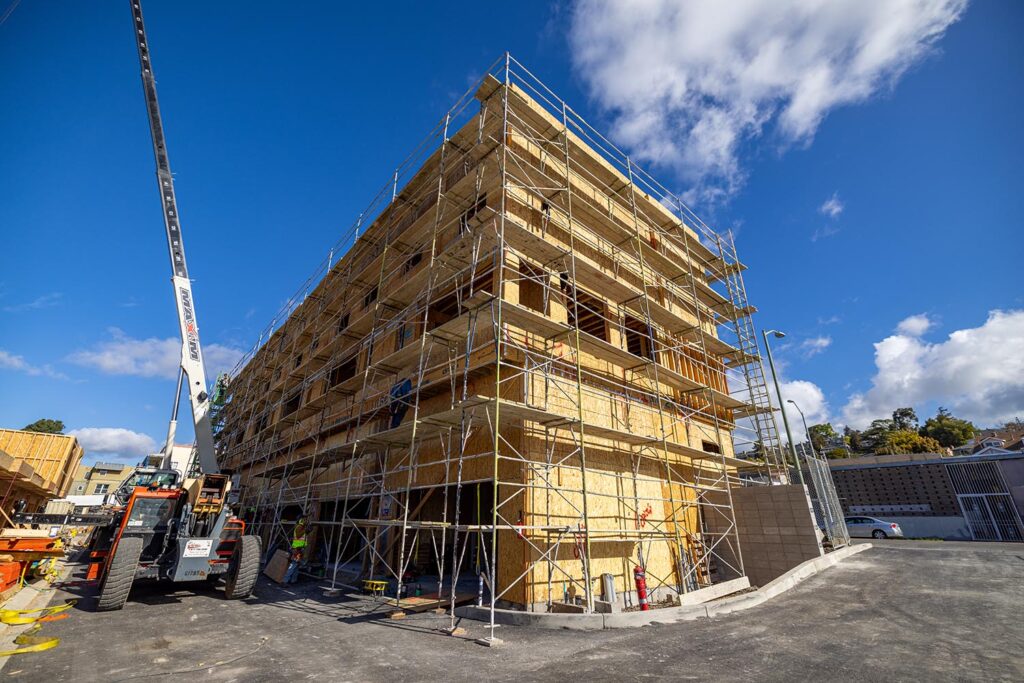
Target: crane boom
(162, 525)
(191, 353)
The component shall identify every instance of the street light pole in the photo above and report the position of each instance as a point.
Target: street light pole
(778, 392)
(807, 432)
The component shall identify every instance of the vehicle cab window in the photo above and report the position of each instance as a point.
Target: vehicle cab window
(150, 513)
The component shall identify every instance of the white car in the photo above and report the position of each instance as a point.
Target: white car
(870, 527)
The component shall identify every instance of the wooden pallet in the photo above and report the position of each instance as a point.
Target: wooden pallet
(429, 601)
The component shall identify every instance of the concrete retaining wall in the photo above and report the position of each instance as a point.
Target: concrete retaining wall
(946, 528)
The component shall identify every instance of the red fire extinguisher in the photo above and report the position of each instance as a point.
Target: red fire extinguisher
(640, 577)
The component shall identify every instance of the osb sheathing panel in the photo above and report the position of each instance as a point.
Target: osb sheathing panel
(612, 411)
(536, 117)
(303, 438)
(436, 461)
(616, 501)
(54, 457)
(603, 253)
(431, 468)
(614, 209)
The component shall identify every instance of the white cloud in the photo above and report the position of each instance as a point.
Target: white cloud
(977, 372)
(815, 345)
(152, 357)
(811, 400)
(114, 442)
(687, 83)
(832, 206)
(10, 361)
(914, 326)
(822, 233)
(807, 395)
(45, 301)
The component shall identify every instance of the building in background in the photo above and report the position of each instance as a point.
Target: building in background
(181, 456)
(1008, 439)
(973, 497)
(99, 479)
(35, 468)
(92, 483)
(834, 446)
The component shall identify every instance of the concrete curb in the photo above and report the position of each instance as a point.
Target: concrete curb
(668, 615)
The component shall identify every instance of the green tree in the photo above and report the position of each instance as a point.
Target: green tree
(756, 452)
(874, 436)
(45, 426)
(904, 418)
(821, 435)
(853, 439)
(837, 453)
(907, 441)
(948, 430)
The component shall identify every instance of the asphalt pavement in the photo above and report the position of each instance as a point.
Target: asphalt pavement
(902, 611)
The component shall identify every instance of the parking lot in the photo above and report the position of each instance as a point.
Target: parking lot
(903, 610)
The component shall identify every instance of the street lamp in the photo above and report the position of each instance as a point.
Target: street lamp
(807, 432)
(778, 392)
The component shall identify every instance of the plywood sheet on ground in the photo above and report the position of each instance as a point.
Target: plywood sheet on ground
(277, 566)
(422, 603)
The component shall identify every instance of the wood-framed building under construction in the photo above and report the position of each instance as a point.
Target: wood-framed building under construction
(35, 467)
(532, 364)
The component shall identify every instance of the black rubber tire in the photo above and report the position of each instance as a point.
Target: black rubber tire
(117, 584)
(240, 579)
(878, 533)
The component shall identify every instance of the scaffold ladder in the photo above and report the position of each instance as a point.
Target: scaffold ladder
(763, 417)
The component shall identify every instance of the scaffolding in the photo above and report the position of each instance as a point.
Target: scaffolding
(527, 364)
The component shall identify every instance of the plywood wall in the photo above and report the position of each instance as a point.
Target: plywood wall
(54, 457)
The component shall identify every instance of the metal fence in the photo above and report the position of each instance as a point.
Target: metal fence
(825, 501)
(986, 502)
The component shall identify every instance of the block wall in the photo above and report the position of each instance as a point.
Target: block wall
(776, 529)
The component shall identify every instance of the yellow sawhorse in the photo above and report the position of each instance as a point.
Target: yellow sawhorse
(375, 587)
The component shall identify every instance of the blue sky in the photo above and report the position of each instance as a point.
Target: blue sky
(873, 183)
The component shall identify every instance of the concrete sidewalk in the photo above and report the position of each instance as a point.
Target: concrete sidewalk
(715, 602)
